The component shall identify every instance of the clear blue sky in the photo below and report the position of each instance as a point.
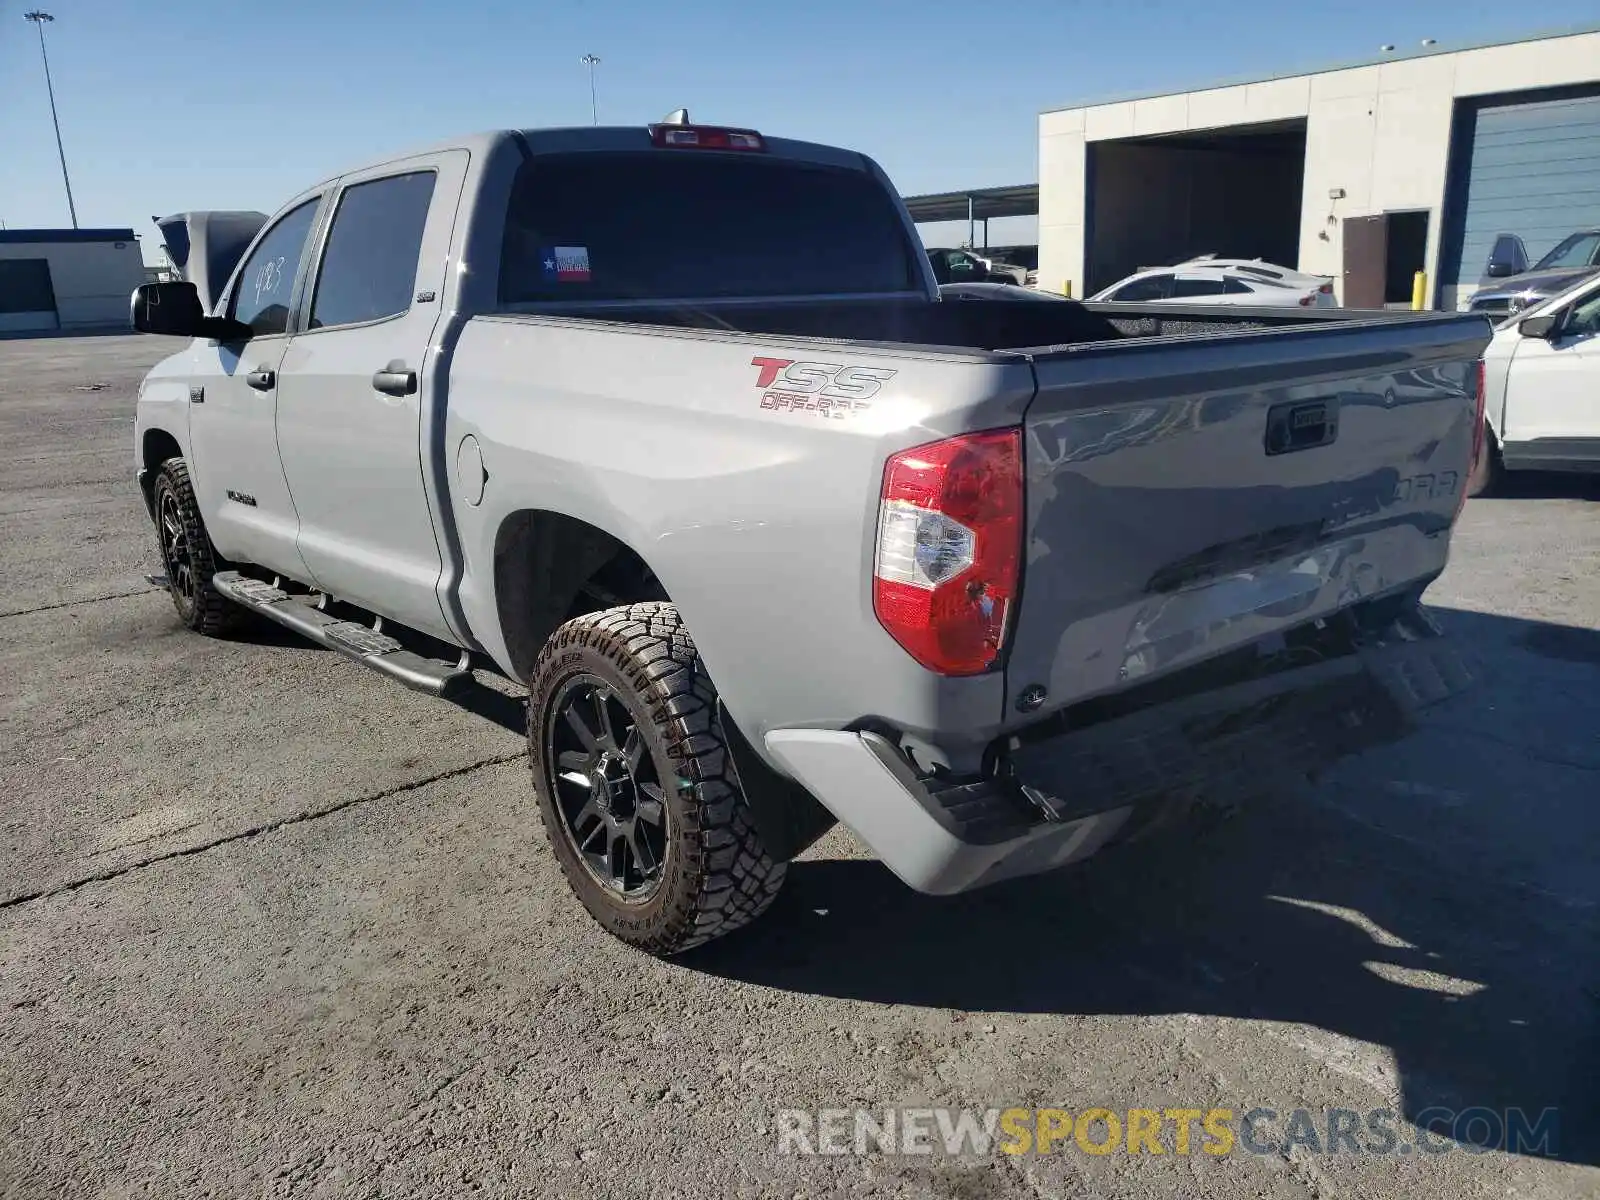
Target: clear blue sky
(218, 104)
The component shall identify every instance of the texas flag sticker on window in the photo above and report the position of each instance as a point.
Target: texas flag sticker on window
(566, 264)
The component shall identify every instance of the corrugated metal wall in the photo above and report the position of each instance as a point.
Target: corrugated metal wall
(1528, 165)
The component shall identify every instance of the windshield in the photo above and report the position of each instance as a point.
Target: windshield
(1575, 251)
(679, 224)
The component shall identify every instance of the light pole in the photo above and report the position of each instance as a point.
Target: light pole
(592, 61)
(39, 18)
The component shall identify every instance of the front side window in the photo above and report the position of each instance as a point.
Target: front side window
(1585, 318)
(370, 266)
(672, 224)
(266, 281)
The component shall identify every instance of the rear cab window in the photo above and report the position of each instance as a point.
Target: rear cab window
(653, 225)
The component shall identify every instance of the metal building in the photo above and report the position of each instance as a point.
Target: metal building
(67, 278)
(1366, 172)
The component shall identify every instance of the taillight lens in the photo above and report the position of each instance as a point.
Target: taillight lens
(1477, 433)
(1307, 300)
(950, 548)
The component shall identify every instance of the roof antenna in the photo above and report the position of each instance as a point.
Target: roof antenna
(678, 116)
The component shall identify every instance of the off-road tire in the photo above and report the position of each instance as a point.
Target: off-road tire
(206, 610)
(1487, 471)
(715, 876)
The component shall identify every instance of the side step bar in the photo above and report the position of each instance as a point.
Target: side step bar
(350, 638)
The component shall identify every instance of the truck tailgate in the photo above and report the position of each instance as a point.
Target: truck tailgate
(1186, 497)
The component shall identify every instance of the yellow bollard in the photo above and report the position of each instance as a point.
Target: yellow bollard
(1419, 291)
(1066, 288)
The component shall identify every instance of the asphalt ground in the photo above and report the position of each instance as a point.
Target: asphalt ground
(271, 926)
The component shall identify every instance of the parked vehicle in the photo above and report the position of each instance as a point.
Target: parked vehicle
(1255, 268)
(1203, 283)
(1509, 287)
(1021, 261)
(956, 264)
(993, 291)
(1542, 389)
(670, 424)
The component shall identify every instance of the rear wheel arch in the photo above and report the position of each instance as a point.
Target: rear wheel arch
(549, 568)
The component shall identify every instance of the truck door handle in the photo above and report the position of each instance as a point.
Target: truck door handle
(261, 379)
(395, 380)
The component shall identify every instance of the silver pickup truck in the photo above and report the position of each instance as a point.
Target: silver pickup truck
(670, 424)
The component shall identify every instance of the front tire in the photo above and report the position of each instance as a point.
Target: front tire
(636, 787)
(188, 555)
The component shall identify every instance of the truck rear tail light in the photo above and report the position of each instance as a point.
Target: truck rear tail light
(1326, 289)
(1478, 446)
(706, 137)
(950, 548)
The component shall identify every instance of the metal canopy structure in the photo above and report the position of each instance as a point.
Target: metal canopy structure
(977, 204)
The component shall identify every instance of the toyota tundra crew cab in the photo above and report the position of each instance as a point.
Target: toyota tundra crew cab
(670, 424)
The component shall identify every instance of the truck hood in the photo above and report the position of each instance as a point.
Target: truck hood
(206, 246)
(1545, 283)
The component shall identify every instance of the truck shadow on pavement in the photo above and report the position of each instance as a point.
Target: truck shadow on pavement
(1439, 898)
(482, 697)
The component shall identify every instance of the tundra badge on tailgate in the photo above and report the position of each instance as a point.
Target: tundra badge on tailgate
(829, 389)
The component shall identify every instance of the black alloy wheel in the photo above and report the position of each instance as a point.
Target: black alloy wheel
(187, 554)
(176, 556)
(607, 788)
(636, 786)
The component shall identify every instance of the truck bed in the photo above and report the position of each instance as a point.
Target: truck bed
(1161, 530)
(980, 325)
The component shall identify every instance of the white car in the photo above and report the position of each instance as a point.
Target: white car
(1260, 269)
(1208, 282)
(1541, 380)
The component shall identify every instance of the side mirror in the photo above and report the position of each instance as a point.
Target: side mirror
(1500, 270)
(173, 308)
(170, 308)
(1540, 327)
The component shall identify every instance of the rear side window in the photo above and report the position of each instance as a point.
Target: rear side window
(266, 281)
(370, 264)
(1237, 287)
(678, 223)
(1154, 287)
(1196, 287)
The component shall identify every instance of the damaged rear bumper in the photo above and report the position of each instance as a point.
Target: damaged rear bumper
(1065, 793)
